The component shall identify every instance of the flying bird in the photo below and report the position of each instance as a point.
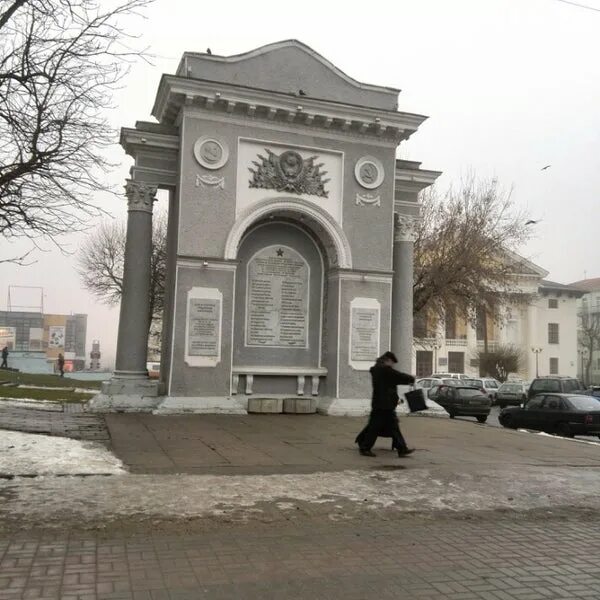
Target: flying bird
(546, 167)
(208, 51)
(532, 222)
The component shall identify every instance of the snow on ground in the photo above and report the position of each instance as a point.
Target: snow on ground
(543, 433)
(33, 403)
(45, 499)
(29, 454)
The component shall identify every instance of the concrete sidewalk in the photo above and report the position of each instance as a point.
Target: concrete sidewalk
(283, 507)
(266, 444)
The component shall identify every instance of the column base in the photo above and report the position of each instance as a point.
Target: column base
(217, 405)
(122, 394)
(130, 375)
(344, 407)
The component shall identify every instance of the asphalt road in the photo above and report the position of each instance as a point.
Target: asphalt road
(493, 422)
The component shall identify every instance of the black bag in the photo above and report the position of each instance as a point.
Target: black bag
(416, 400)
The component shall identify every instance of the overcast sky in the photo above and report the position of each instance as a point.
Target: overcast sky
(509, 85)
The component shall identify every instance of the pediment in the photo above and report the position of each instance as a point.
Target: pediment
(287, 67)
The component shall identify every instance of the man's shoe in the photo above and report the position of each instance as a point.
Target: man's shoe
(367, 453)
(405, 451)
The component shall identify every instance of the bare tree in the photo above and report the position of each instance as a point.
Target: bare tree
(464, 248)
(589, 336)
(100, 264)
(500, 363)
(60, 61)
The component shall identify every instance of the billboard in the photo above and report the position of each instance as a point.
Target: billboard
(56, 336)
(8, 337)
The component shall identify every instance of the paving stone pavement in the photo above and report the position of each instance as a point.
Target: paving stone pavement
(265, 444)
(77, 425)
(492, 557)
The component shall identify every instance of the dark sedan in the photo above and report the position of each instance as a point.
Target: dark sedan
(509, 394)
(462, 401)
(565, 414)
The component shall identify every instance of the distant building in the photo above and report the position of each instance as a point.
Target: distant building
(539, 319)
(588, 307)
(95, 356)
(35, 340)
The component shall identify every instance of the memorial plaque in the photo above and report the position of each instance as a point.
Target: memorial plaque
(277, 290)
(364, 340)
(204, 316)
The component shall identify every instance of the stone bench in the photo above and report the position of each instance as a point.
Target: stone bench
(301, 373)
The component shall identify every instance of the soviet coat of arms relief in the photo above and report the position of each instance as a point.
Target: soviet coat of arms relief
(289, 172)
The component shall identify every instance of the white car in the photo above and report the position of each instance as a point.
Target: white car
(427, 382)
(486, 384)
(450, 376)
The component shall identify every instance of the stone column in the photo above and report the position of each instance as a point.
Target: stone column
(134, 320)
(402, 290)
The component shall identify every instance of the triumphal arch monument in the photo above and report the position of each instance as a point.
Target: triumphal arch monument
(290, 236)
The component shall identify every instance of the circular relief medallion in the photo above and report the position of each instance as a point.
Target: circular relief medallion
(291, 164)
(369, 172)
(210, 152)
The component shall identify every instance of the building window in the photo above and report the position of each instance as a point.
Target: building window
(420, 325)
(553, 333)
(554, 366)
(424, 363)
(456, 362)
(552, 302)
(450, 322)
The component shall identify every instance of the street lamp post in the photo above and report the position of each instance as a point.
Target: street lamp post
(536, 351)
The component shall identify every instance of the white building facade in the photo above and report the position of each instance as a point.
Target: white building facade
(539, 318)
(588, 364)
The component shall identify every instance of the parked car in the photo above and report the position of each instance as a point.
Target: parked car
(488, 385)
(427, 382)
(461, 400)
(450, 376)
(594, 391)
(554, 385)
(565, 414)
(511, 393)
(433, 390)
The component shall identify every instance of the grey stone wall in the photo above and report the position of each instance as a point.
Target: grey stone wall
(355, 383)
(201, 381)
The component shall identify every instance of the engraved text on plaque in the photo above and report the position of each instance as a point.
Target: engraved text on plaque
(204, 325)
(277, 291)
(364, 341)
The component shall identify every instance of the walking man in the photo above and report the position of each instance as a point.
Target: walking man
(383, 406)
(61, 364)
(4, 358)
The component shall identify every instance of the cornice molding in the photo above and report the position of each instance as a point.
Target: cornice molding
(221, 98)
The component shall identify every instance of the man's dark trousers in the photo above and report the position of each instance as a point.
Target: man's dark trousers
(382, 420)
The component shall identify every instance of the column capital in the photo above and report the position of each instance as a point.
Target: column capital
(405, 227)
(140, 196)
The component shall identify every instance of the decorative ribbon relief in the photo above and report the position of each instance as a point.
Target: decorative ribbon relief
(210, 181)
(368, 200)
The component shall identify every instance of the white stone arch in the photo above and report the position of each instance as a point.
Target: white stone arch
(322, 223)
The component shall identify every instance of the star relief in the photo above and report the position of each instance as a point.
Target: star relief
(280, 252)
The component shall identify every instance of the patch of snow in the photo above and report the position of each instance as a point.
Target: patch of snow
(27, 386)
(208, 495)
(558, 437)
(33, 454)
(50, 405)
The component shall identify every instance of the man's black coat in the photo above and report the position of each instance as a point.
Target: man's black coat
(385, 379)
